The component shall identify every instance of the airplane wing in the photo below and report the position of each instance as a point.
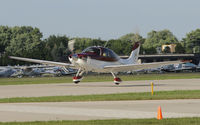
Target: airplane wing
(42, 61)
(129, 67)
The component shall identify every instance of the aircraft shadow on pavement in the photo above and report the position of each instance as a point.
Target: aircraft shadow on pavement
(108, 85)
(139, 85)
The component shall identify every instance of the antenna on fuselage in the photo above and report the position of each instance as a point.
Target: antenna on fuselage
(106, 44)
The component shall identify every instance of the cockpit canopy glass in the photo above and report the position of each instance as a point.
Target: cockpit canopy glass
(109, 53)
(92, 50)
(101, 51)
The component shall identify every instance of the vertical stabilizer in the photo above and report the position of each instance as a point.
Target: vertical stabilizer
(133, 58)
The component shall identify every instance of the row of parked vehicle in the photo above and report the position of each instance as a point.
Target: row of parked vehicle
(35, 70)
(184, 67)
(181, 67)
(40, 70)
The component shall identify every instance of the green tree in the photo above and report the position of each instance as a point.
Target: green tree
(192, 41)
(26, 42)
(149, 50)
(5, 37)
(132, 38)
(158, 38)
(196, 49)
(19, 41)
(62, 53)
(52, 44)
(179, 48)
(82, 43)
(56, 48)
(120, 47)
(54, 53)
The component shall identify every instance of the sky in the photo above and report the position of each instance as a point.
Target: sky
(105, 19)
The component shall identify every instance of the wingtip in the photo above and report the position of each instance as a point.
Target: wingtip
(11, 57)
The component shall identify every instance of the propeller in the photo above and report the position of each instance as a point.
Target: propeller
(71, 48)
(71, 45)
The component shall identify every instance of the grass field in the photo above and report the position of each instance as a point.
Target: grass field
(181, 94)
(169, 121)
(97, 78)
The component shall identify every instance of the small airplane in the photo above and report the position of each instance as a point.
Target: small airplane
(101, 59)
(6, 71)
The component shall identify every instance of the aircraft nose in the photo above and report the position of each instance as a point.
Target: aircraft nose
(74, 57)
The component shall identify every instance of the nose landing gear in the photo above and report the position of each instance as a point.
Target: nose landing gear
(78, 77)
(117, 80)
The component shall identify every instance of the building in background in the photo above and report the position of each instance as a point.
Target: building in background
(169, 48)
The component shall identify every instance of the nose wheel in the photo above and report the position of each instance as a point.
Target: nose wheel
(117, 80)
(78, 77)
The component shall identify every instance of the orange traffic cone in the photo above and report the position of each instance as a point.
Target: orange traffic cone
(159, 116)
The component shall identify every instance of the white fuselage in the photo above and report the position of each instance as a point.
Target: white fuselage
(95, 65)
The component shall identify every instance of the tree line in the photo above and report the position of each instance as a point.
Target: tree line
(26, 41)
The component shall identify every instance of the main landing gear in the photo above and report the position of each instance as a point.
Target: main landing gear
(78, 77)
(117, 80)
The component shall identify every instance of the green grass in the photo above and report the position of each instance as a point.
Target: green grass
(168, 121)
(97, 78)
(160, 95)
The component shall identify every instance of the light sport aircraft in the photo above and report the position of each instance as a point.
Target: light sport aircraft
(101, 59)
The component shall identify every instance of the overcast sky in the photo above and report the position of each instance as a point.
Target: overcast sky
(105, 19)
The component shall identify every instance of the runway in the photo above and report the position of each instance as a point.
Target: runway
(7, 91)
(98, 110)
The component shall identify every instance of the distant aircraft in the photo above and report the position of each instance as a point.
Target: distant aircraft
(6, 71)
(27, 71)
(186, 67)
(101, 59)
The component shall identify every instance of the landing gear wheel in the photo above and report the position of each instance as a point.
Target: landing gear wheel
(117, 83)
(76, 82)
(77, 79)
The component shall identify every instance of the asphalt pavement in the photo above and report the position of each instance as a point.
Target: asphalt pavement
(98, 110)
(86, 88)
(46, 111)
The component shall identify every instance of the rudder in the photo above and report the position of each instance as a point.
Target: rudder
(133, 58)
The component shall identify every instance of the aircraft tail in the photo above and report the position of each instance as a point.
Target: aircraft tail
(133, 58)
